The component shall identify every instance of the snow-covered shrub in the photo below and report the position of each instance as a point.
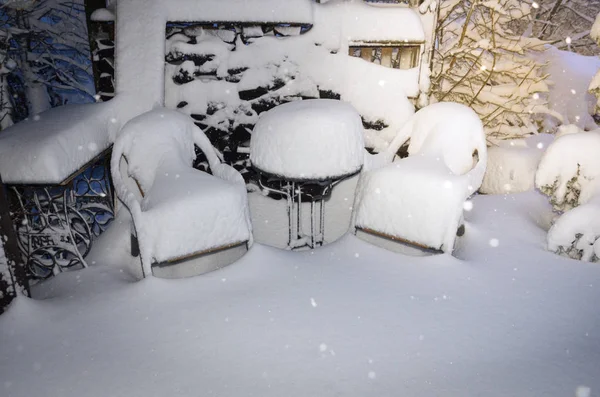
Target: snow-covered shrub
(569, 169)
(576, 233)
(483, 64)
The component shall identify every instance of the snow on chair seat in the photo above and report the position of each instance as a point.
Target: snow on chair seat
(185, 214)
(419, 200)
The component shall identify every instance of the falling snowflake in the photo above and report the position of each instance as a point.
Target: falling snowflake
(582, 391)
(468, 205)
(494, 242)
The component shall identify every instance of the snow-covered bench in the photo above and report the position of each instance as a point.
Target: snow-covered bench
(301, 150)
(418, 201)
(186, 221)
(56, 166)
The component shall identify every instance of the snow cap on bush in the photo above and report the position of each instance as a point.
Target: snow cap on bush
(568, 171)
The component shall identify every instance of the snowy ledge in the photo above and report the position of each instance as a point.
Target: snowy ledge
(47, 148)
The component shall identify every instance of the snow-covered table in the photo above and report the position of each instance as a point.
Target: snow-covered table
(55, 167)
(301, 150)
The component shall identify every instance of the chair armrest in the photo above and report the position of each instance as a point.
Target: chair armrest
(228, 173)
(127, 197)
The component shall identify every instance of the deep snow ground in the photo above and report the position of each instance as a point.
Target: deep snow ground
(348, 319)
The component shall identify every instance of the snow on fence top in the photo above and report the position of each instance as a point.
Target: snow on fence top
(49, 147)
(307, 140)
(288, 11)
(360, 23)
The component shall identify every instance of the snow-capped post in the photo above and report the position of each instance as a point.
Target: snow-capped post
(483, 64)
(14, 281)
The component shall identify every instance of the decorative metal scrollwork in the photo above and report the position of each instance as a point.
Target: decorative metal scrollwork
(56, 224)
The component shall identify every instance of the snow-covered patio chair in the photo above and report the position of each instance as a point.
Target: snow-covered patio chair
(187, 222)
(418, 201)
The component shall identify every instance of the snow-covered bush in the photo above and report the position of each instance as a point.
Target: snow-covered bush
(569, 173)
(483, 64)
(576, 233)
(569, 170)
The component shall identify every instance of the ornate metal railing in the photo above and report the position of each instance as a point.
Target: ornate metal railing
(56, 224)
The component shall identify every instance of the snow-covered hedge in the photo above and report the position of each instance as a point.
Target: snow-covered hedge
(569, 169)
(569, 174)
(576, 233)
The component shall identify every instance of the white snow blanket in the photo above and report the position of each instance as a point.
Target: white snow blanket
(570, 74)
(311, 139)
(512, 165)
(420, 199)
(349, 319)
(184, 211)
(50, 146)
(569, 169)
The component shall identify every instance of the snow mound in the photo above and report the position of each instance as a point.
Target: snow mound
(512, 165)
(569, 169)
(311, 139)
(184, 210)
(50, 146)
(420, 199)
